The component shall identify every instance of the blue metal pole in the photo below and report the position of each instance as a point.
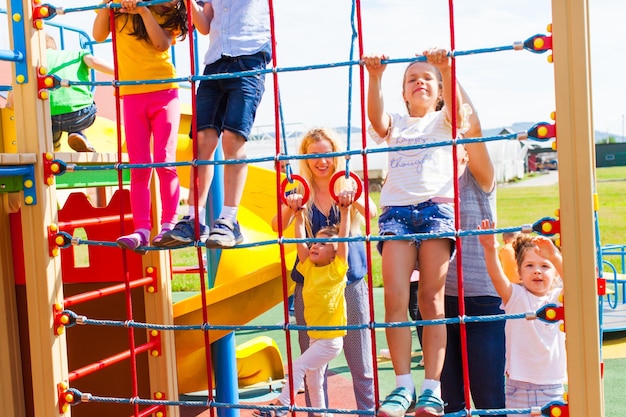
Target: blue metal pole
(18, 54)
(8, 55)
(222, 350)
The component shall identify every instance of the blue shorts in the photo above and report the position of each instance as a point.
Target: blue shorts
(426, 217)
(74, 122)
(231, 103)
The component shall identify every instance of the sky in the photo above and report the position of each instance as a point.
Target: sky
(506, 87)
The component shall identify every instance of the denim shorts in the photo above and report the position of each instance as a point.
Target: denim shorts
(231, 103)
(73, 122)
(426, 217)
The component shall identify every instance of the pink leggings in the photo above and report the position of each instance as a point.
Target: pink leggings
(156, 115)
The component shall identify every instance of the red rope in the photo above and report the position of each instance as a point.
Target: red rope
(283, 266)
(127, 286)
(368, 231)
(457, 219)
(196, 183)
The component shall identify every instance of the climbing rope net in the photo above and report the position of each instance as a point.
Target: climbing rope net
(541, 131)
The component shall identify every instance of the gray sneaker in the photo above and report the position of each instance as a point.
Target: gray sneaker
(183, 233)
(224, 234)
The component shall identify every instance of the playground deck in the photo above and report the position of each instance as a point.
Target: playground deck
(614, 319)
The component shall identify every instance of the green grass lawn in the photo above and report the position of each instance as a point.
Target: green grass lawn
(523, 205)
(614, 380)
(516, 206)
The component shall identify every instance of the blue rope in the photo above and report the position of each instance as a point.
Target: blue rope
(239, 74)
(75, 241)
(354, 37)
(79, 397)
(366, 151)
(83, 320)
(492, 412)
(88, 397)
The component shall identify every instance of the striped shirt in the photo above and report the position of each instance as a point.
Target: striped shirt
(238, 28)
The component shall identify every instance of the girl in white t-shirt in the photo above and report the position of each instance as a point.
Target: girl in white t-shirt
(535, 350)
(417, 198)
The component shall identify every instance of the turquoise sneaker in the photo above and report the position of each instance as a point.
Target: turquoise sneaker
(401, 401)
(429, 405)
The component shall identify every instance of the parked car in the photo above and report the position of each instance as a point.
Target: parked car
(549, 164)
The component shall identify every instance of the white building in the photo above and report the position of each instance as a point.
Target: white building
(508, 156)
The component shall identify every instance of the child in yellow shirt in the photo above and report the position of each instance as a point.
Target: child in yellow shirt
(324, 266)
(506, 254)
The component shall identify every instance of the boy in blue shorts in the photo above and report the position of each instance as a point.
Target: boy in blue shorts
(239, 41)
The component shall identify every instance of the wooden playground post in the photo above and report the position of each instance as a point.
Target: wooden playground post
(576, 186)
(48, 365)
(43, 277)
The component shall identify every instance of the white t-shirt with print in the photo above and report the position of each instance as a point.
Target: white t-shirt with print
(535, 350)
(417, 175)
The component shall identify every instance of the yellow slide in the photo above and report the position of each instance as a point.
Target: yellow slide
(248, 283)
(258, 360)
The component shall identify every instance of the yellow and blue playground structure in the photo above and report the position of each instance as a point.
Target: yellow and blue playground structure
(245, 283)
(45, 352)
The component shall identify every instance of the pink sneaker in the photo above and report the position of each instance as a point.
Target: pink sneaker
(133, 242)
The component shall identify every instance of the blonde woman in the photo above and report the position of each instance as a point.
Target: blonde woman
(320, 211)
